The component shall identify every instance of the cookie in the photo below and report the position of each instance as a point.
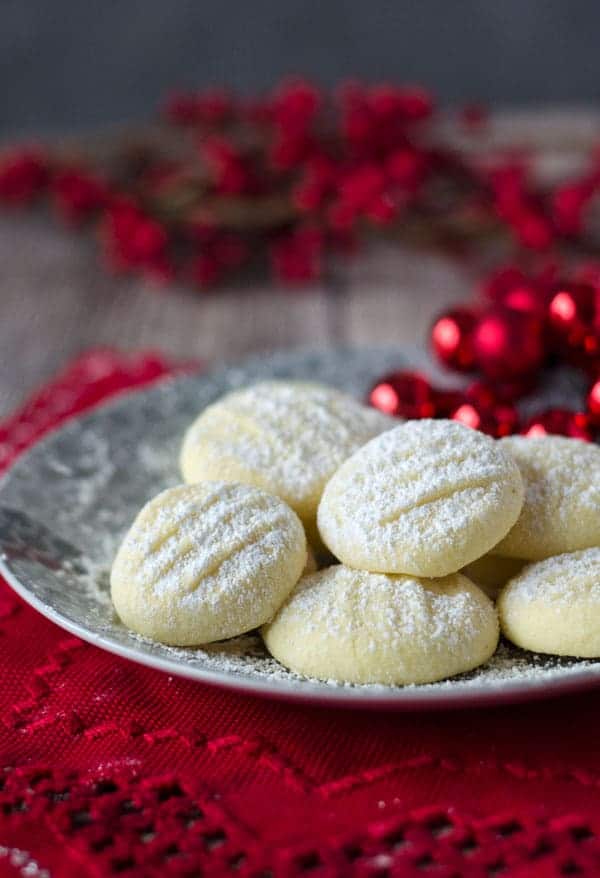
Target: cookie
(553, 606)
(311, 565)
(357, 627)
(285, 437)
(561, 512)
(425, 498)
(205, 562)
(491, 572)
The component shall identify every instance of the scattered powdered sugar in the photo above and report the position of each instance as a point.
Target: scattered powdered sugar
(247, 657)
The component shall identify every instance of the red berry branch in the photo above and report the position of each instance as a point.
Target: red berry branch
(290, 179)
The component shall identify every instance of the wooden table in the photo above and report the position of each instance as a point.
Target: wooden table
(56, 299)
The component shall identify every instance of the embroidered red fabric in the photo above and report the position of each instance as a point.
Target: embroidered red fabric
(108, 768)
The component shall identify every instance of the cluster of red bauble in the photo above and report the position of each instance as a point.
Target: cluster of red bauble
(520, 326)
(290, 178)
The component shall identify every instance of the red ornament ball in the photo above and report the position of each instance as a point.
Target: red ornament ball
(560, 422)
(404, 394)
(511, 288)
(447, 401)
(500, 282)
(490, 393)
(482, 394)
(526, 299)
(593, 402)
(572, 311)
(584, 353)
(508, 344)
(501, 420)
(452, 339)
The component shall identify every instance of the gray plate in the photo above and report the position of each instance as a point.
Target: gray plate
(66, 504)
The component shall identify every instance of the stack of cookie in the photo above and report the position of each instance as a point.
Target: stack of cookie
(427, 519)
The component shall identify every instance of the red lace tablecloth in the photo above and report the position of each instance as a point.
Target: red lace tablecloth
(109, 768)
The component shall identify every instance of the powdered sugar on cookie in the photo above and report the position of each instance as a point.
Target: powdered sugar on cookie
(207, 561)
(426, 498)
(285, 437)
(561, 512)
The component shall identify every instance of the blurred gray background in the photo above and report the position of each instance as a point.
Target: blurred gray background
(69, 64)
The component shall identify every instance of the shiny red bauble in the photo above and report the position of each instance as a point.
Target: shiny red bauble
(500, 282)
(562, 422)
(525, 298)
(508, 344)
(452, 339)
(447, 401)
(404, 394)
(593, 402)
(585, 352)
(573, 331)
(501, 420)
(486, 394)
(572, 311)
(511, 289)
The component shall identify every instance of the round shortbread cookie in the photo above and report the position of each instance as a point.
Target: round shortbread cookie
(285, 437)
(358, 627)
(561, 512)
(491, 572)
(426, 498)
(205, 562)
(553, 606)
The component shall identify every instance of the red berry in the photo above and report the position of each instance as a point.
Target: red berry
(406, 167)
(78, 194)
(569, 206)
(295, 104)
(361, 186)
(533, 230)
(23, 175)
(296, 257)
(381, 210)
